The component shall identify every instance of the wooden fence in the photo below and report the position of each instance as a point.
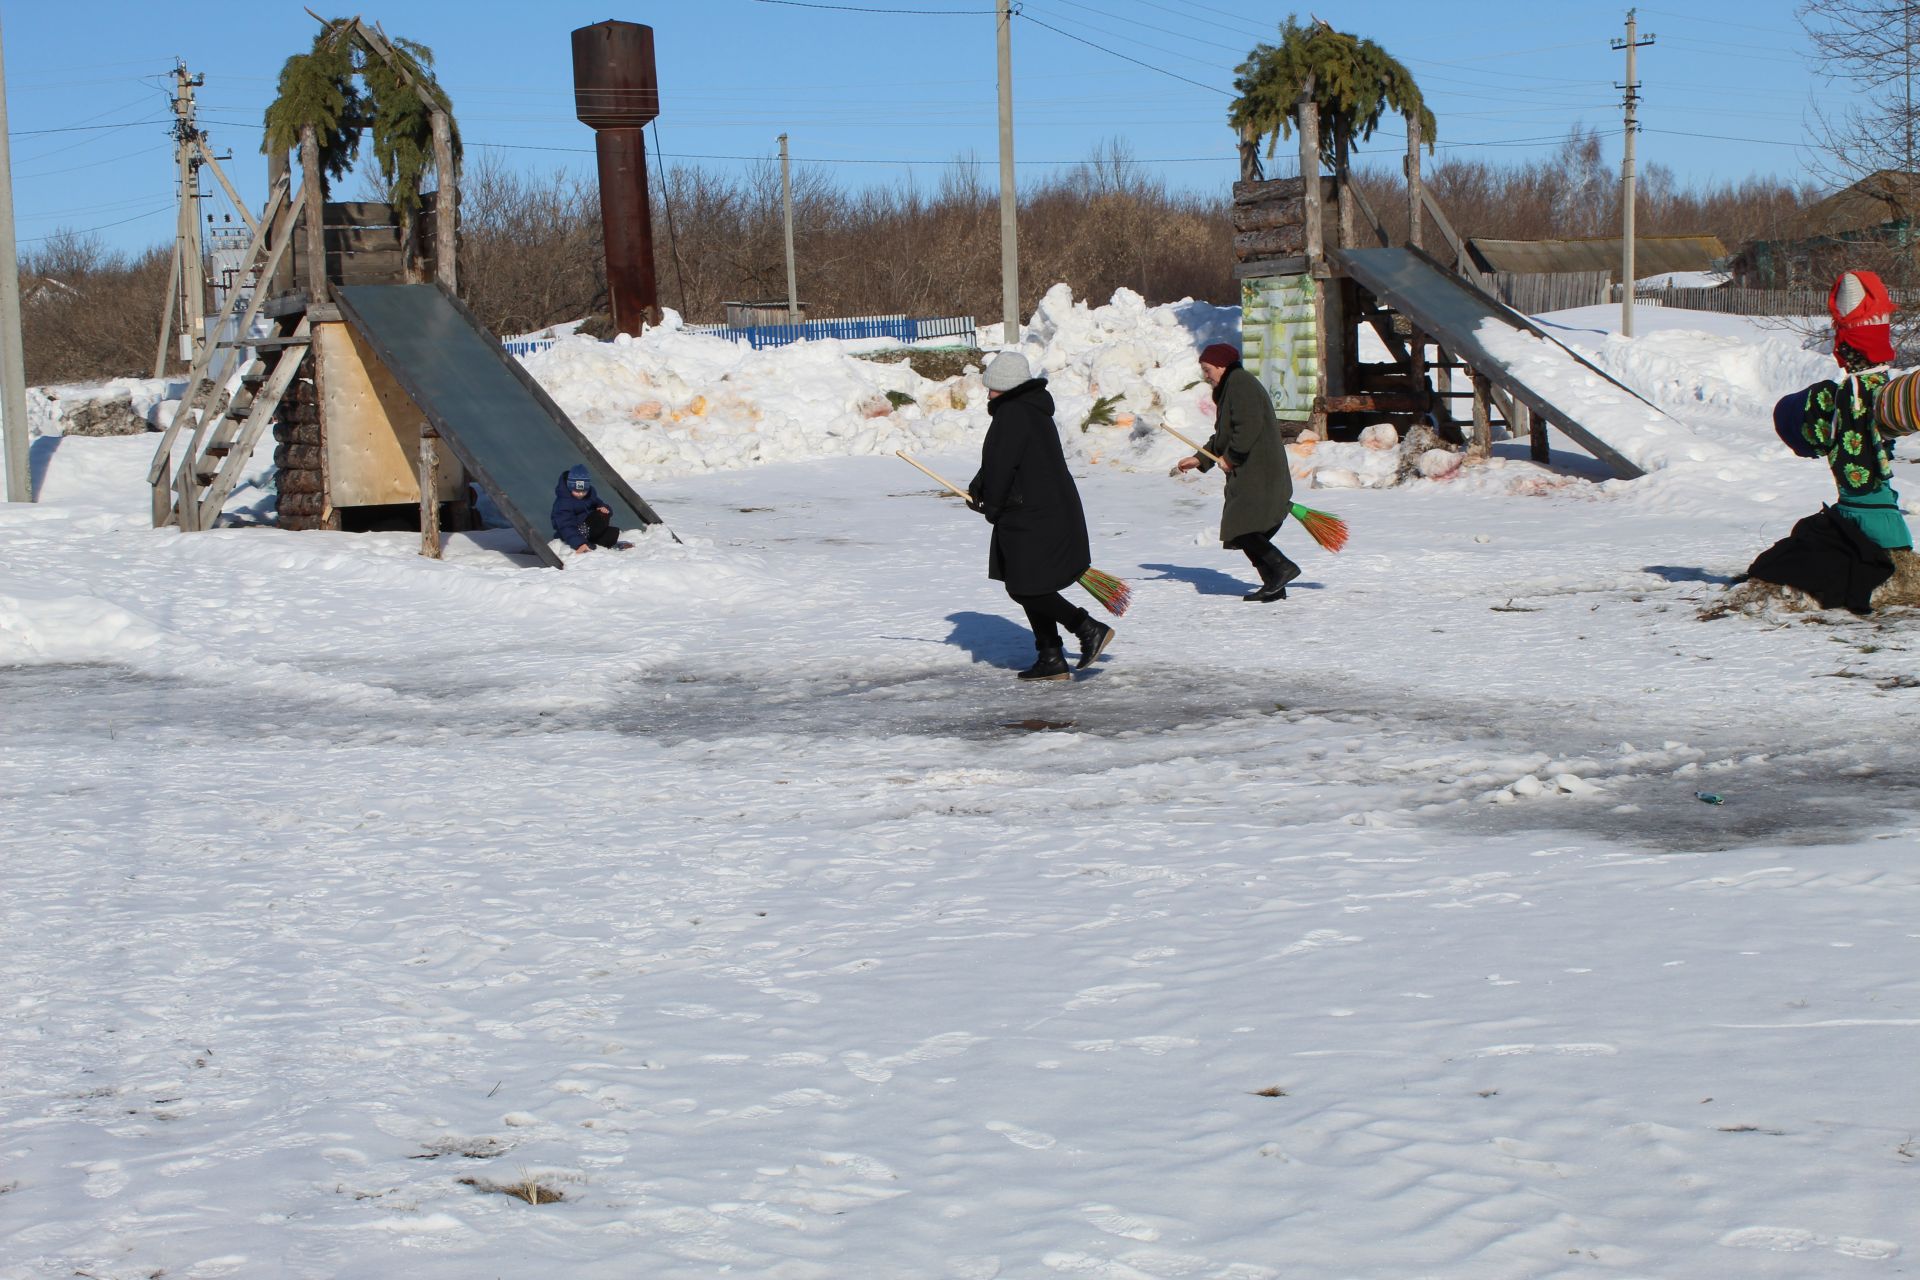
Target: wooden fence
(1531, 293)
(1728, 300)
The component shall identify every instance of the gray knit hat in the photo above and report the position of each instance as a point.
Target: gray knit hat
(1007, 370)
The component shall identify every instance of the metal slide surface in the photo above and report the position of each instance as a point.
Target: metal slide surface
(512, 438)
(1452, 313)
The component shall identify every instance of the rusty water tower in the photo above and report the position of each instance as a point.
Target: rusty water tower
(616, 91)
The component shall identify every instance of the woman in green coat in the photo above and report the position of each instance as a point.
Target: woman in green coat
(1246, 437)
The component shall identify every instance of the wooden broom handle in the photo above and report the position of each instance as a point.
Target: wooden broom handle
(1199, 449)
(908, 458)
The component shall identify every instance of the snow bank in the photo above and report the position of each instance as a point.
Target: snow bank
(674, 403)
(40, 626)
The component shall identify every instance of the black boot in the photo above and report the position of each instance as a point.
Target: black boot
(1276, 571)
(1094, 636)
(1050, 666)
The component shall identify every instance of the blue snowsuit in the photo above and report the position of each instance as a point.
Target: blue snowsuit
(572, 517)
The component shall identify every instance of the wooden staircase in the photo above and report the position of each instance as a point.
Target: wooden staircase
(222, 431)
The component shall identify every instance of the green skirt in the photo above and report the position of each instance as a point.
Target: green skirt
(1877, 515)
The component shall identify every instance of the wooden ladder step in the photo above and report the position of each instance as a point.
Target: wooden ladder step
(266, 344)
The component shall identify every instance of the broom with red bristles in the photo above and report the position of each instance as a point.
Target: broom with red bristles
(1325, 528)
(1113, 593)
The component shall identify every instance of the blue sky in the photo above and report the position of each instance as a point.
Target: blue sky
(873, 98)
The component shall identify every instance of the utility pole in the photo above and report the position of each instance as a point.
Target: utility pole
(13, 361)
(1009, 233)
(189, 300)
(786, 202)
(1632, 104)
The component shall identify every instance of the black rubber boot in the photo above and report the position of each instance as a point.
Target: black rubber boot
(1050, 666)
(1276, 571)
(1094, 636)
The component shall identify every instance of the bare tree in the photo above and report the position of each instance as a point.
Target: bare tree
(1869, 46)
(88, 312)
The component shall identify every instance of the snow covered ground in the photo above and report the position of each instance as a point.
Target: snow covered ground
(734, 891)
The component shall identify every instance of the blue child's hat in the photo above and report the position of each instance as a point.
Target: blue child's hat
(578, 478)
(1789, 415)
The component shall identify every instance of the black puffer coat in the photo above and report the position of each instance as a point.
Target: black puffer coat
(1027, 494)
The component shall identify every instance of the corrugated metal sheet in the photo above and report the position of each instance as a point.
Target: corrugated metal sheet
(1652, 255)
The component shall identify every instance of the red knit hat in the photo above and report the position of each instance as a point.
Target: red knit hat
(1221, 355)
(1861, 308)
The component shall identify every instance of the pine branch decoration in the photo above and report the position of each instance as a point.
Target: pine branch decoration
(1355, 81)
(319, 88)
(316, 88)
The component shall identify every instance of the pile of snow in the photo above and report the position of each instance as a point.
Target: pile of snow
(672, 403)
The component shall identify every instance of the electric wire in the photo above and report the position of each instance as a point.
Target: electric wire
(1075, 4)
(1125, 58)
(857, 8)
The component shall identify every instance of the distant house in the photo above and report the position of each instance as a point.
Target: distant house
(1875, 217)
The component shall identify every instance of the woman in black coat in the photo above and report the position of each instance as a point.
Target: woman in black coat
(1039, 530)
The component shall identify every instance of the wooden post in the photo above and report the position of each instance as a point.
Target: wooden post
(429, 491)
(316, 245)
(1413, 178)
(1343, 195)
(187, 491)
(166, 313)
(277, 173)
(446, 207)
(206, 158)
(1536, 433)
(1417, 359)
(1308, 120)
(1481, 446)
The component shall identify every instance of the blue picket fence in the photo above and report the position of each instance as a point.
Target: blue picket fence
(854, 329)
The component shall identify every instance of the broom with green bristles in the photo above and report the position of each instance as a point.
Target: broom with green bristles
(1325, 528)
(1113, 593)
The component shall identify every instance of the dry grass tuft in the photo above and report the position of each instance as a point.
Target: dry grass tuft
(528, 1189)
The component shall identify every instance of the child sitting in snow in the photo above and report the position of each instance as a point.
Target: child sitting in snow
(580, 519)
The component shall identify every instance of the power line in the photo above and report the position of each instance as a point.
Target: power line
(857, 8)
(1123, 57)
(82, 128)
(1721, 137)
(102, 227)
(1075, 4)
(1253, 28)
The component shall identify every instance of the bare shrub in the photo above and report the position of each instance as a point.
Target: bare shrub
(87, 312)
(530, 249)
(1575, 193)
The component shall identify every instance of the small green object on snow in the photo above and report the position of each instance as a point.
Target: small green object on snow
(1708, 797)
(1101, 415)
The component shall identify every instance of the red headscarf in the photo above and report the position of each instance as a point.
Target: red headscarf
(1861, 309)
(1220, 355)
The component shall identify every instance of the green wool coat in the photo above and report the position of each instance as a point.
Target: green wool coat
(1245, 433)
